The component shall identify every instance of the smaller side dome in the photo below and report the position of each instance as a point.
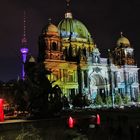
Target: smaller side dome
(52, 28)
(96, 50)
(32, 59)
(123, 41)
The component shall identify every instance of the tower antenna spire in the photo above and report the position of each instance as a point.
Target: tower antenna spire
(50, 20)
(121, 34)
(24, 39)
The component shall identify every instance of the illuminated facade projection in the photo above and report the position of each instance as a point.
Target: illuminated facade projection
(70, 53)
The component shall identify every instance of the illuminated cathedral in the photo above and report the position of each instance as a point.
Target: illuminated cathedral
(76, 65)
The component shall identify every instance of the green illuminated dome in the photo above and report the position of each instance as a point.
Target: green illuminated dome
(74, 29)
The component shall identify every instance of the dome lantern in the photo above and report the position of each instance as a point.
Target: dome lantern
(68, 14)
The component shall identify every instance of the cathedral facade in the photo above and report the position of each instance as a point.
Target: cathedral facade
(70, 53)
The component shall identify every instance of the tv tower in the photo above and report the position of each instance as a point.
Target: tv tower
(24, 49)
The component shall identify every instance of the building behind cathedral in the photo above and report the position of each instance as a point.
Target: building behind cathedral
(76, 65)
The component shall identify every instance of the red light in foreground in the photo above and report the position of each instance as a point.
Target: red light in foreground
(98, 119)
(1, 111)
(71, 122)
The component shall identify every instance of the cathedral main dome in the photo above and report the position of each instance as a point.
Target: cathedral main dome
(70, 28)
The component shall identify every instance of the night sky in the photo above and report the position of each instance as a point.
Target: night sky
(105, 19)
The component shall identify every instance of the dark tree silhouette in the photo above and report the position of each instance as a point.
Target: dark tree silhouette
(44, 99)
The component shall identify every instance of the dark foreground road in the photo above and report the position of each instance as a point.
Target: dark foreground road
(115, 125)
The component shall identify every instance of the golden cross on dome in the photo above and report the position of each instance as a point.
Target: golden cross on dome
(68, 4)
(50, 20)
(121, 34)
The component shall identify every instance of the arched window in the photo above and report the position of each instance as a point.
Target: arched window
(54, 46)
(84, 51)
(97, 80)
